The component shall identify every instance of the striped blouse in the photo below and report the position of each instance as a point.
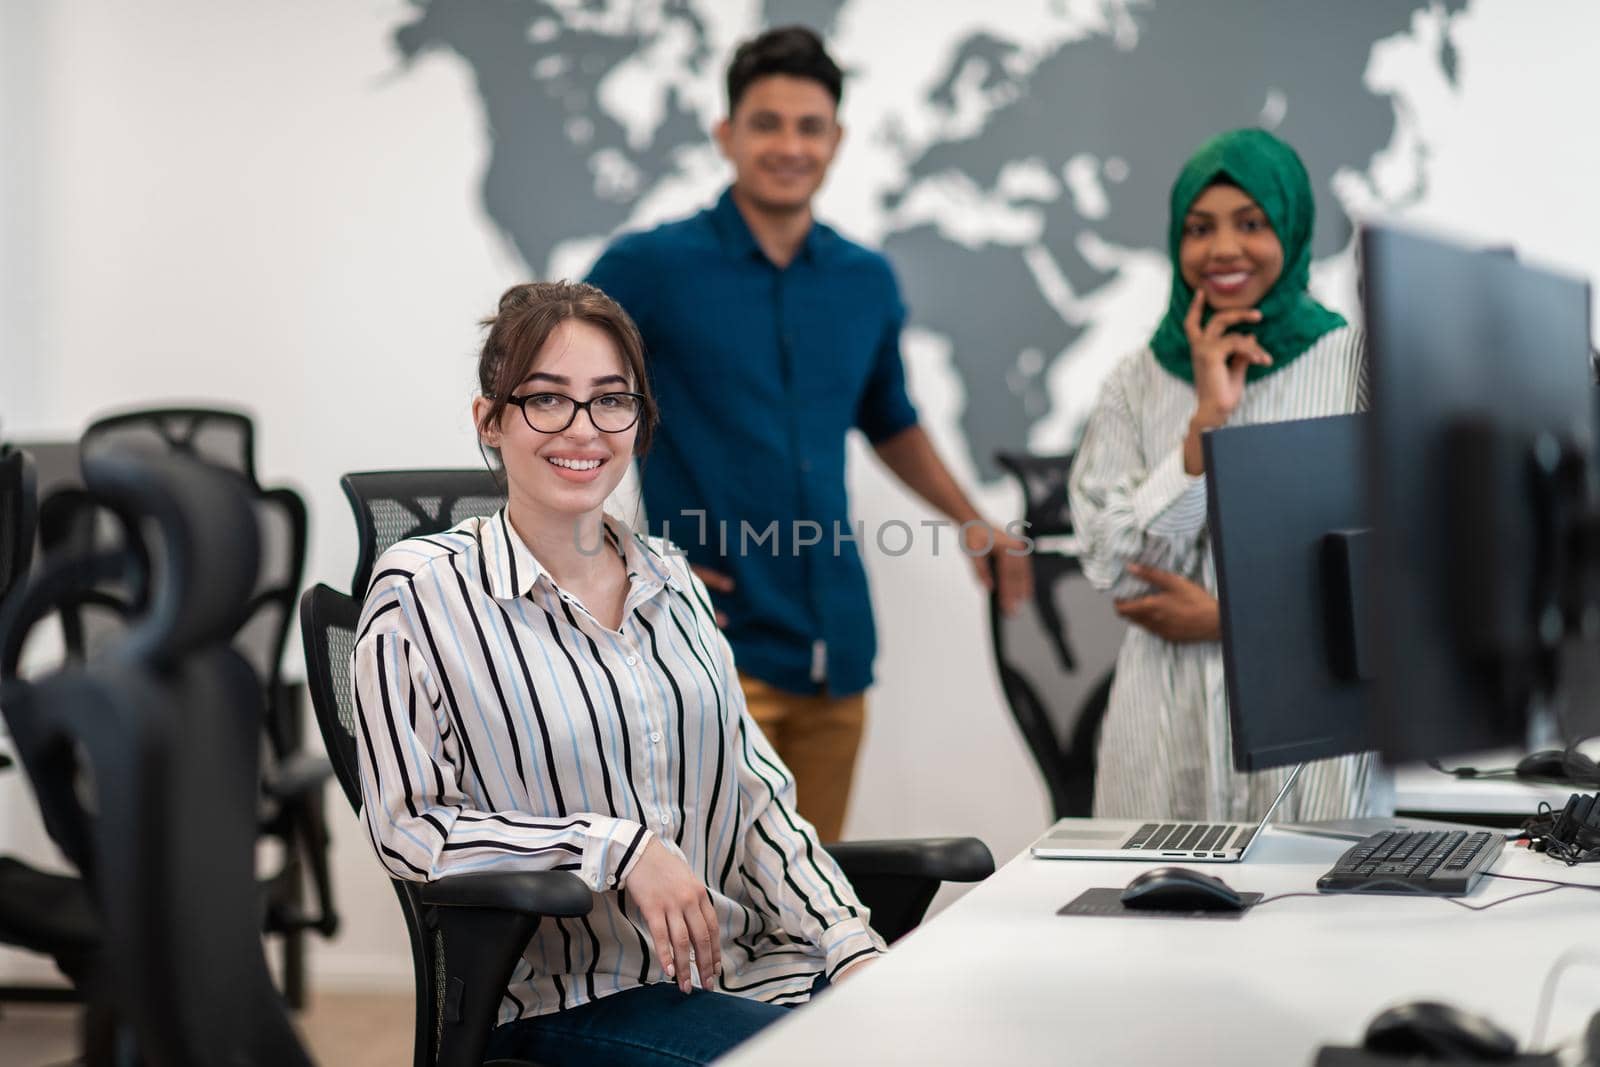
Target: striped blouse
(501, 727)
(1165, 747)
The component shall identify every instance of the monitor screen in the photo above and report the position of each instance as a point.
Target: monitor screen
(1482, 429)
(1289, 534)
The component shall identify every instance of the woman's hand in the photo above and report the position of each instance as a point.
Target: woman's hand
(678, 910)
(1179, 610)
(1220, 361)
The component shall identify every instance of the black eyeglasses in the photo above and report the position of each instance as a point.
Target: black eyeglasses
(554, 412)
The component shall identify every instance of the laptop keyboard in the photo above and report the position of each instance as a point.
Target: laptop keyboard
(1188, 837)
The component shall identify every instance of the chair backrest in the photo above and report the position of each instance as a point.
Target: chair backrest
(1056, 676)
(165, 731)
(328, 620)
(224, 439)
(1044, 489)
(18, 516)
(328, 630)
(391, 506)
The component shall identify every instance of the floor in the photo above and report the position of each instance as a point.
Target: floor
(347, 1029)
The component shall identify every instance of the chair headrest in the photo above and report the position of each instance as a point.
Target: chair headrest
(207, 553)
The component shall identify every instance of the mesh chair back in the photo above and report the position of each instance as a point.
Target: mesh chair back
(1044, 489)
(328, 620)
(18, 516)
(328, 630)
(391, 506)
(224, 439)
(1056, 676)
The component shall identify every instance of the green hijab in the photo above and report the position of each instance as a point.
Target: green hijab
(1272, 175)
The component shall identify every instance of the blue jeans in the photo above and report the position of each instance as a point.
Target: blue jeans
(650, 1026)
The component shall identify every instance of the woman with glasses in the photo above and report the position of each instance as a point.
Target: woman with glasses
(544, 689)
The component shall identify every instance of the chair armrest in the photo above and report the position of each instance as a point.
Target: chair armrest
(943, 859)
(556, 893)
(483, 922)
(299, 774)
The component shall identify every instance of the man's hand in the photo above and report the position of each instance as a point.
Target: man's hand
(994, 552)
(678, 910)
(1179, 610)
(717, 582)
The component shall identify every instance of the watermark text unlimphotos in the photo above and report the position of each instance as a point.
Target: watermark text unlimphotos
(894, 537)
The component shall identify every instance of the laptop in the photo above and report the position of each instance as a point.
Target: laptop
(1129, 839)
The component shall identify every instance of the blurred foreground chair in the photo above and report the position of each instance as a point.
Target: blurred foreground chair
(467, 931)
(145, 762)
(1058, 702)
(293, 779)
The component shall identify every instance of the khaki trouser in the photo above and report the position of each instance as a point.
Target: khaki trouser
(817, 737)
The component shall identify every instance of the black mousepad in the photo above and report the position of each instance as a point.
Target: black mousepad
(1109, 902)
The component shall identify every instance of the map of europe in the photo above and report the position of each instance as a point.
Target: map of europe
(1008, 149)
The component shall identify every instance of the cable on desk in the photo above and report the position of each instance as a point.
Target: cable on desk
(1409, 889)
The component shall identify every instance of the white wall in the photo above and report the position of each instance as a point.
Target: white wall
(246, 203)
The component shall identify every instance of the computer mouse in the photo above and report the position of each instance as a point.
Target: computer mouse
(1179, 889)
(1558, 763)
(1430, 1030)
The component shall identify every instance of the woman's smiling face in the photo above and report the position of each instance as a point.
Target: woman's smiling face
(1228, 249)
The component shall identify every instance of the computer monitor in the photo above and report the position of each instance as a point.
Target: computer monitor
(1287, 510)
(1482, 433)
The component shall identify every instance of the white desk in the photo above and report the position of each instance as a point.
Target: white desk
(999, 978)
(1420, 788)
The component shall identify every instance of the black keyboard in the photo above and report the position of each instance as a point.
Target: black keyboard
(1445, 863)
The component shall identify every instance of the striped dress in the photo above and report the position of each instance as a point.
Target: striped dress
(1165, 747)
(502, 727)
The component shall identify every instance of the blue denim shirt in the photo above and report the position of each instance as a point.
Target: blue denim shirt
(760, 374)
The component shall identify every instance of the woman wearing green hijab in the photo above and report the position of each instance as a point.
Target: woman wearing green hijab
(1242, 342)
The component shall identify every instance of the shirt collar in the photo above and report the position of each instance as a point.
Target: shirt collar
(512, 570)
(741, 243)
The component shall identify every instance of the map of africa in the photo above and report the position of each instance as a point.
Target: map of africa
(1012, 164)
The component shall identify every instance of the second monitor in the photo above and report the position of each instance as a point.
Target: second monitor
(1289, 536)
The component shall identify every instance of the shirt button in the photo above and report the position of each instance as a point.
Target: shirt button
(632, 660)
(611, 879)
(655, 738)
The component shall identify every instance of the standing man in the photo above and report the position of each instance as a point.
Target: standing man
(768, 337)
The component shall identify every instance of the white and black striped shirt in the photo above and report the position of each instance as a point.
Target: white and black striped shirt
(1165, 748)
(502, 727)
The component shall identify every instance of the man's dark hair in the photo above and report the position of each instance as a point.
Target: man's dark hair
(792, 50)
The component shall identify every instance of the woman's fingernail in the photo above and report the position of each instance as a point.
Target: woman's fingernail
(671, 971)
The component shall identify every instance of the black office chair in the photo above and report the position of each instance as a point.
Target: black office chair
(1058, 702)
(391, 506)
(467, 931)
(145, 763)
(42, 912)
(19, 504)
(293, 778)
